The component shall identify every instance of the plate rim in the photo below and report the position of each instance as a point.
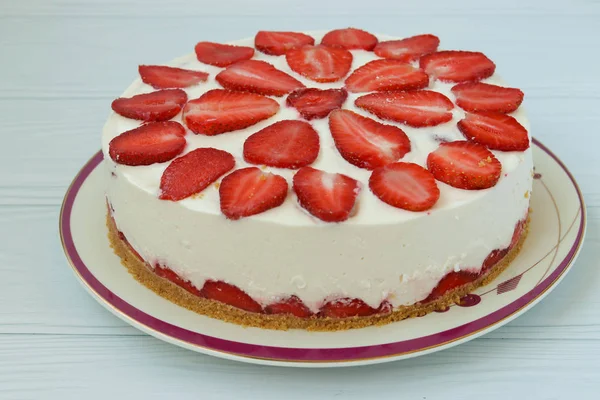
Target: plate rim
(290, 356)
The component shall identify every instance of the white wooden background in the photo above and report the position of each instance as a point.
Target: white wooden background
(63, 61)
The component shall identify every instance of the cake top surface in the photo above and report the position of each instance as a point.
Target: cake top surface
(333, 154)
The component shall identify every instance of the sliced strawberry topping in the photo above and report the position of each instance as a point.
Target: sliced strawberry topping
(154, 142)
(495, 130)
(380, 75)
(229, 294)
(320, 63)
(345, 308)
(314, 103)
(218, 111)
(477, 96)
(408, 49)
(366, 143)
(285, 144)
(464, 165)
(163, 77)
(419, 108)
(350, 38)
(222, 55)
(251, 191)
(329, 197)
(193, 172)
(156, 106)
(451, 281)
(168, 274)
(279, 43)
(405, 185)
(257, 77)
(292, 305)
(457, 66)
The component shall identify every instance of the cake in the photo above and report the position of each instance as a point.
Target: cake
(320, 181)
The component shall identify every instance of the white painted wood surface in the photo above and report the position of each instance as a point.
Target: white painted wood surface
(62, 62)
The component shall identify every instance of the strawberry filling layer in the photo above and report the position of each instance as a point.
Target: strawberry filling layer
(336, 308)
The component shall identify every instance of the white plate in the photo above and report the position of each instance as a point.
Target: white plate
(556, 233)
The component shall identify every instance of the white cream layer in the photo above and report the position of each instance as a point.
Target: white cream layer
(380, 253)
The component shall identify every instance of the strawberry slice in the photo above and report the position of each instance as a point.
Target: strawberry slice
(350, 39)
(314, 103)
(193, 172)
(464, 165)
(257, 77)
(320, 63)
(419, 108)
(291, 305)
(477, 96)
(329, 197)
(452, 280)
(493, 258)
(219, 111)
(495, 130)
(366, 143)
(222, 55)
(519, 228)
(155, 142)
(285, 144)
(251, 191)
(155, 106)
(163, 77)
(457, 66)
(409, 49)
(405, 185)
(229, 294)
(345, 308)
(168, 274)
(279, 43)
(380, 75)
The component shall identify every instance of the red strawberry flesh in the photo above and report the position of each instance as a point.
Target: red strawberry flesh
(222, 55)
(346, 308)
(327, 196)
(285, 144)
(161, 105)
(291, 305)
(251, 191)
(408, 49)
(314, 103)
(405, 185)
(464, 165)
(497, 131)
(417, 108)
(218, 111)
(457, 66)
(163, 77)
(257, 77)
(279, 43)
(230, 294)
(320, 63)
(350, 39)
(383, 75)
(478, 96)
(155, 142)
(364, 142)
(193, 172)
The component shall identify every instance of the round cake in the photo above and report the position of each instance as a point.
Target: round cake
(321, 180)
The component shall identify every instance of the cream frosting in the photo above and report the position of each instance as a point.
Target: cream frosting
(381, 253)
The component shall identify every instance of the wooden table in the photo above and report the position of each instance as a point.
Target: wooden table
(61, 64)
